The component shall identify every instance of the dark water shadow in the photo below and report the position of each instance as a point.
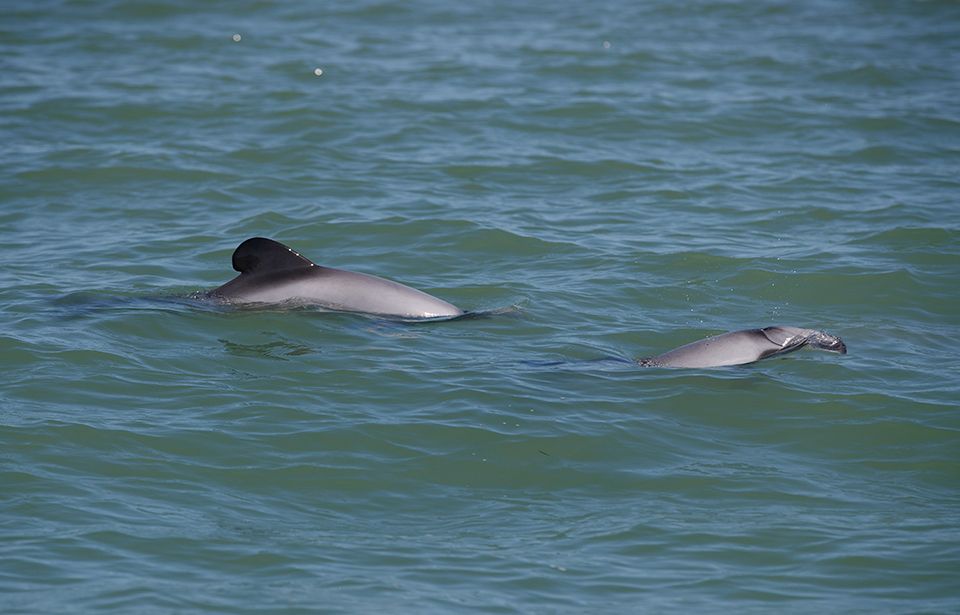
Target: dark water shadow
(279, 350)
(610, 362)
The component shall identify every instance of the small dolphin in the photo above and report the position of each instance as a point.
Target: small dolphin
(747, 346)
(270, 272)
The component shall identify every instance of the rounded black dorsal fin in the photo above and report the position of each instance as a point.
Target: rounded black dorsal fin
(261, 255)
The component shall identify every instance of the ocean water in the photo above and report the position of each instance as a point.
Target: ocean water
(604, 181)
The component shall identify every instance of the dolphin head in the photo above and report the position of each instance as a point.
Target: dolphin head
(825, 341)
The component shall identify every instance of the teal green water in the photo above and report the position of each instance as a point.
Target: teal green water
(609, 180)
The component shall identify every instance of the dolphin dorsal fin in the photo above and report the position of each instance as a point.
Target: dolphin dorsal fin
(261, 255)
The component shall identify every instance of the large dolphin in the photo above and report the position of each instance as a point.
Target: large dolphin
(270, 272)
(747, 346)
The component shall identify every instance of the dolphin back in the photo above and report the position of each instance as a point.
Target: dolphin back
(272, 273)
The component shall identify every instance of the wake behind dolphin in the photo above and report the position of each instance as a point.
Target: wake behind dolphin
(271, 272)
(747, 346)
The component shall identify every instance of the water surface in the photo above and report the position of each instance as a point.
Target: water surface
(630, 178)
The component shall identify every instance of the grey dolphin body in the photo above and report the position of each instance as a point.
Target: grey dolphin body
(747, 346)
(270, 272)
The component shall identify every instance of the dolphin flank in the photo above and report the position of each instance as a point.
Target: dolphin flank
(747, 346)
(271, 272)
